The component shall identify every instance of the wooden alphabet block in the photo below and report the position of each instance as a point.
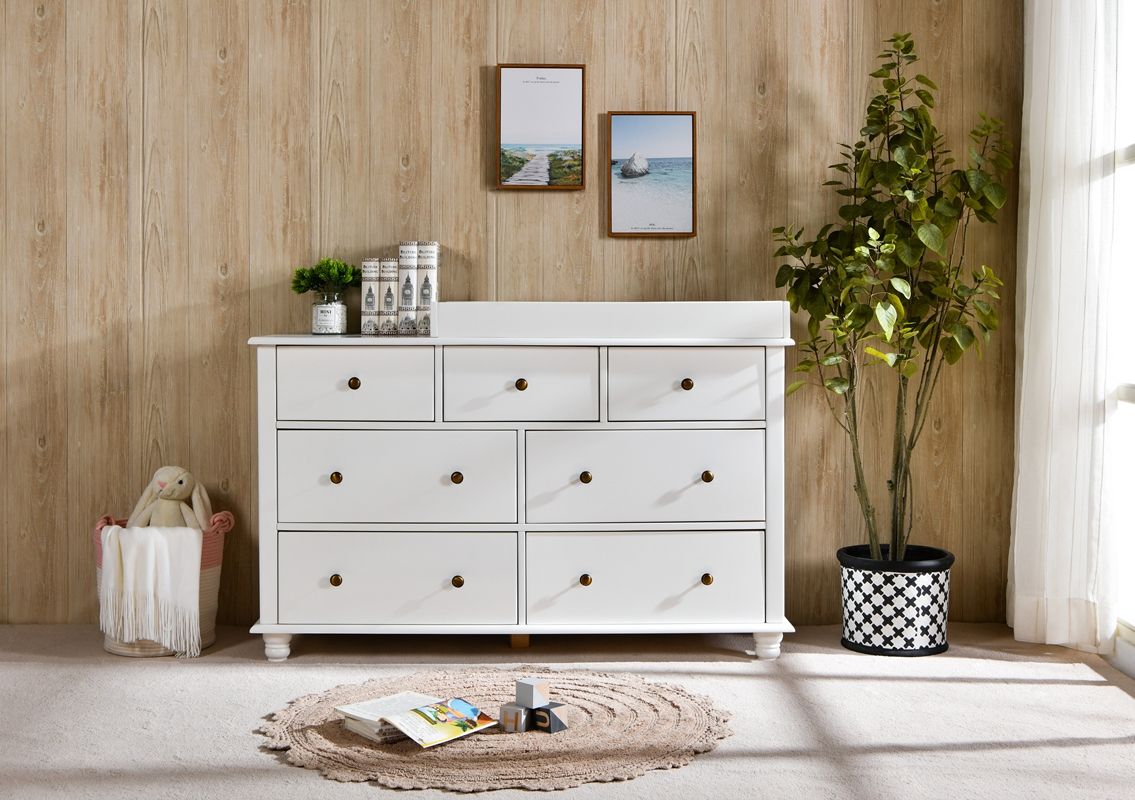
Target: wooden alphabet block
(533, 692)
(515, 718)
(547, 720)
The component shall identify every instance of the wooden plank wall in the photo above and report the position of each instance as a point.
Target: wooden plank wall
(166, 163)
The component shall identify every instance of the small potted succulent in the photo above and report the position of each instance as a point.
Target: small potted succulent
(891, 293)
(329, 278)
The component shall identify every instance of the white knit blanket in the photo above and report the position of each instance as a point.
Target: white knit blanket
(150, 586)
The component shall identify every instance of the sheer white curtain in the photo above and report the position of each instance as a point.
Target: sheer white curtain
(1067, 516)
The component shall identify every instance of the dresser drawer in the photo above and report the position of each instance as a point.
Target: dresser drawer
(397, 578)
(395, 384)
(397, 476)
(643, 578)
(522, 384)
(686, 383)
(645, 476)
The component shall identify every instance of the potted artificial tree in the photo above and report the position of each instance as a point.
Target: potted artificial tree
(889, 293)
(328, 278)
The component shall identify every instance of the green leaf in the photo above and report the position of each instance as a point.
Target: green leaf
(837, 385)
(890, 358)
(887, 316)
(926, 81)
(902, 286)
(962, 335)
(931, 236)
(996, 194)
(976, 180)
(794, 387)
(906, 252)
(831, 361)
(951, 350)
(926, 98)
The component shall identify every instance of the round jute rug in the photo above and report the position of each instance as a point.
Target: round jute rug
(620, 726)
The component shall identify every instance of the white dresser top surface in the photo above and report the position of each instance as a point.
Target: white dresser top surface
(737, 323)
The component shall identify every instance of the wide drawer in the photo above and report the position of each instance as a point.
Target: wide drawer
(395, 384)
(397, 476)
(645, 577)
(397, 578)
(522, 384)
(686, 383)
(645, 476)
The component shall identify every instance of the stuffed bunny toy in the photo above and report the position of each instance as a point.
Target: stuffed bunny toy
(163, 503)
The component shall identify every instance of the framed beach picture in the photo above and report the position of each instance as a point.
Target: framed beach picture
(540, 112)
(653, 179)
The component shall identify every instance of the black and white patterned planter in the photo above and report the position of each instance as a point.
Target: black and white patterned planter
(895, 608)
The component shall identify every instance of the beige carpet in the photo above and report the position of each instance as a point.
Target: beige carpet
(990, 719)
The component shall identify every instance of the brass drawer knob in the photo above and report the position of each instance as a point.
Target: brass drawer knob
(457, 581)
(354, 383)
(687, 383)
(585, 579)
(521, 384)
(336, 579)
(707, 476)
(707, 579)
(585, 477)
(336, 478)
(457, 477)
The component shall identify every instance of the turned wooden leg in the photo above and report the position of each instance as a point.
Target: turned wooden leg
(518, 640)
(768, 645)
(277, 646)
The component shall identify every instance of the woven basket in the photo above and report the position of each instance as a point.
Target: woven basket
(212, 551)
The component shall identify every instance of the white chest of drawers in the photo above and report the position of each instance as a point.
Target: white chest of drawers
(538, 468)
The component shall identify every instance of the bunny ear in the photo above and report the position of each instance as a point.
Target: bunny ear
(202, 508)
(149, 495)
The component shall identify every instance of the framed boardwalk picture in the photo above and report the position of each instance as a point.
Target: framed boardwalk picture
(653, 173)
(540, 113)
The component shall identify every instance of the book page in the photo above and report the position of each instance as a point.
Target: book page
(374, 710)
(435, 723)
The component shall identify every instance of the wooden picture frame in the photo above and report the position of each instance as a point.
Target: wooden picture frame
(518, 91)
(666, 219)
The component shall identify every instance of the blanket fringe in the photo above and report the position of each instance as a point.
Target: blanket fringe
(130, 618)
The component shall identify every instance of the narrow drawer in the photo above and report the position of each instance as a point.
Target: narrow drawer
(645, 476)
(522, 384)
(397, 476)
(397, 578)
(686, 383)
(644, 578)
(395, 384)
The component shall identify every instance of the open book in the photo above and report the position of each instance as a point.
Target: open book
(427, 720)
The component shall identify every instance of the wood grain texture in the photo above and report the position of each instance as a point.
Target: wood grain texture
(98, 275)
(871, 25)
(35, 473)
(344, 132)
(937, 467)
(220, 363)
(463, 37)
(401, 111)
(572, 259)
(702, 86)
(520, 234)
(641, 51)
(165, 232)
(993, 44)
(822, 510)
(277, 131)
(283, 207)
(4, 110)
